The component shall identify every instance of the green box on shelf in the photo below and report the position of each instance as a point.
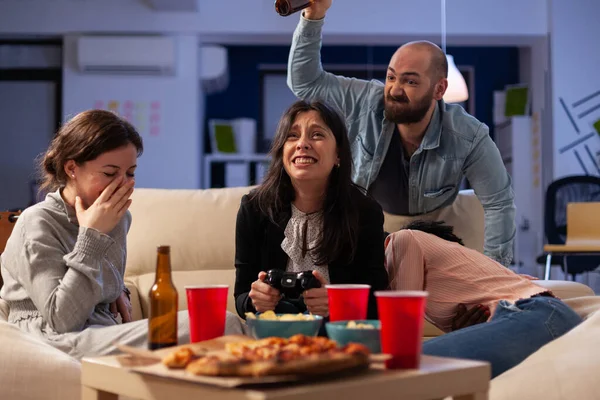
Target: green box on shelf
(597, 126)
(223, 137)
(517, 101)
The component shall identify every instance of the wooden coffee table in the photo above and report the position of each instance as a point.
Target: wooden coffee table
(103, 378)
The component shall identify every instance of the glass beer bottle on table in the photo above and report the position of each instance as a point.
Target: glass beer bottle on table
(162, 323)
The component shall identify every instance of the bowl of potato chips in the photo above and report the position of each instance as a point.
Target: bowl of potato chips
(268, 324)
(365, 332)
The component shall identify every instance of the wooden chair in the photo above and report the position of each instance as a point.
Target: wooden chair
(7, 223)
(583, 233)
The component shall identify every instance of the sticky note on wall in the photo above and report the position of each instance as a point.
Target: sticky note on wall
(597, 126)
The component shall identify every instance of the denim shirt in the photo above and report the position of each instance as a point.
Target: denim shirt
(455, 143)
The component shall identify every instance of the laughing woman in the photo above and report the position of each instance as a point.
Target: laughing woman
(64, 262)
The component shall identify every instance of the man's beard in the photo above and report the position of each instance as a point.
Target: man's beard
(400, 110)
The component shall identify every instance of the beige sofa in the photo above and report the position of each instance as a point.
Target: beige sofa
(199, 226)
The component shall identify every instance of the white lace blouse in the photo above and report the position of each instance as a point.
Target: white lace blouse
(299, 225)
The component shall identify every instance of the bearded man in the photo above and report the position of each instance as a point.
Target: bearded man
(410, 149)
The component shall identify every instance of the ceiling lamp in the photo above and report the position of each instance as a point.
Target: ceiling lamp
(457, 91)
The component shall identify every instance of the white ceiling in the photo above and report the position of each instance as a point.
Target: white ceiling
(175, 5)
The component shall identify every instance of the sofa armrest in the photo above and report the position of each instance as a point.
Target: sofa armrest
(566, 289)
(32, 369)
(565, 368)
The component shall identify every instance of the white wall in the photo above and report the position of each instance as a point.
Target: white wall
(394, 18)
(535, 71)
(349, 21)
(165, 109)
(575, 59)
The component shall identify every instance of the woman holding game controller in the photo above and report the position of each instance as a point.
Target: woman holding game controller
(307, 217)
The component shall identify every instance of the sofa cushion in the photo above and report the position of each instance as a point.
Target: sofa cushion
(206, 218)
(136, 306)
(465, 215)
(199, 225)
(566, 368)
(185, 278)
(430, 330)
(31, 368)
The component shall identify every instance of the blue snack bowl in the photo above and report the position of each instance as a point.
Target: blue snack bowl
(340, 332)
(262, 328)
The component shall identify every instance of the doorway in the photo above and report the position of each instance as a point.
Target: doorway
(30, 113)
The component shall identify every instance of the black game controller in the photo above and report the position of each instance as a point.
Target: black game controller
(292, 284)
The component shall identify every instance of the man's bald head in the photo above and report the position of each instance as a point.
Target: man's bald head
(415, 81)
(438, 64)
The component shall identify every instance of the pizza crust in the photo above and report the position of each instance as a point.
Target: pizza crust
(212, 366)
(316, 365)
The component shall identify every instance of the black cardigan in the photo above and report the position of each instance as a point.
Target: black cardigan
(258, 248)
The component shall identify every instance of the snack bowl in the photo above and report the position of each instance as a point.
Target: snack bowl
(283, 325)
(365, 332)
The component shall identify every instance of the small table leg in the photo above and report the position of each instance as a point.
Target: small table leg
(473, 396)
(87, 393)
(548, 266)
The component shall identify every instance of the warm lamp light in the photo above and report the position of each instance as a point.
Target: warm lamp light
(457, 87)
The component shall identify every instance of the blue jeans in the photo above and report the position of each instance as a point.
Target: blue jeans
(515, 332)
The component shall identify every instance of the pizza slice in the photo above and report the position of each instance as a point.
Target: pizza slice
(179, 358)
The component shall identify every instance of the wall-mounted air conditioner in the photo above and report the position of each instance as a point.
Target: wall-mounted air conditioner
(138, 55)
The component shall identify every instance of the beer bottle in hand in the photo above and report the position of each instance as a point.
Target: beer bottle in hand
(162, 323)
(288, 7)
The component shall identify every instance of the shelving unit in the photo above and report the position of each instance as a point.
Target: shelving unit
(516, 143)
(237, 168)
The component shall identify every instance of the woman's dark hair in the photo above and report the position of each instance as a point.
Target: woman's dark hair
(437, 228)
(83, 138)
(340, 214)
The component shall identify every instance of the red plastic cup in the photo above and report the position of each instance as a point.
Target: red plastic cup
(348, 302)
(207, 307)
(401, 314)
